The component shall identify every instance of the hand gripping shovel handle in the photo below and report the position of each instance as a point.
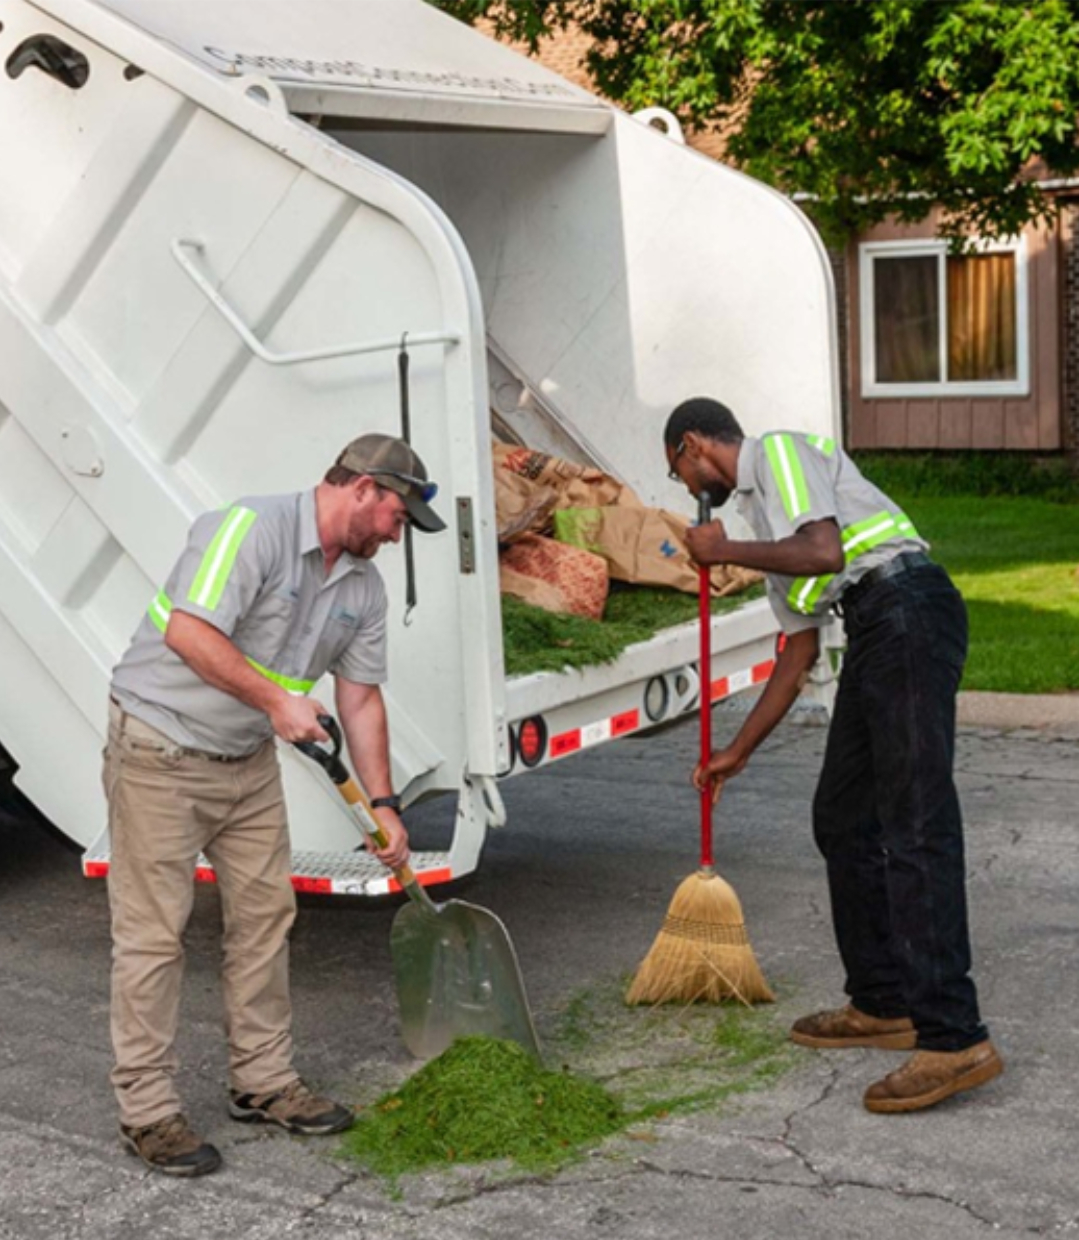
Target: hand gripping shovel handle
(353, 794)
(704, 516)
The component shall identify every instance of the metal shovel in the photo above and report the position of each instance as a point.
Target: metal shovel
(456, 970)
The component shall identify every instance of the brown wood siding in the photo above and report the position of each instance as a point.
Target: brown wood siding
(1031, 423)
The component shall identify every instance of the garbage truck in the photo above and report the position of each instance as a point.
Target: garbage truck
(222, 225)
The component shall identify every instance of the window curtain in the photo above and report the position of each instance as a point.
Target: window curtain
(981, 317)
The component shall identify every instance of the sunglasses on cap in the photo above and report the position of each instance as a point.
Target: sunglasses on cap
(425, 490)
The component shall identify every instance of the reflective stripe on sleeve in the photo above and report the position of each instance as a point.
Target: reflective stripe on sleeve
(822, 443)
(787, 471)
(213, 574)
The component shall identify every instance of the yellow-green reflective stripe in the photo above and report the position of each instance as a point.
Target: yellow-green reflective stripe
(822, 443)
(160, 610)
(787, 470)
(805, 592)
(859, 538)
(874, 530)
(286, 682)
(213, 574)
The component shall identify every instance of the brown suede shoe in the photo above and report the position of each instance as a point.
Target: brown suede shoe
(171, 1147)
(846, 1026)
(928, 1077)
(295, 1108)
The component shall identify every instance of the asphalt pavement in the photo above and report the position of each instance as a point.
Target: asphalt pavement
(582, 877)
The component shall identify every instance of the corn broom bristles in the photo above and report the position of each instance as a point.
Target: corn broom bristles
(702, 953)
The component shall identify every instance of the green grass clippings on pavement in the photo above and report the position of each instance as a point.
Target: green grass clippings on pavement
(611, 1069)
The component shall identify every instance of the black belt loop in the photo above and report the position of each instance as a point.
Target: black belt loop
(904, 562)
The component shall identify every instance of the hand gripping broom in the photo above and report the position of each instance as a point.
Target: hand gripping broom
(702, 953)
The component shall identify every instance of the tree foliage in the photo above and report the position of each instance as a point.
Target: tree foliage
(871, 107)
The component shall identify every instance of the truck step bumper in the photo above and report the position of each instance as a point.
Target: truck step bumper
(321, 873)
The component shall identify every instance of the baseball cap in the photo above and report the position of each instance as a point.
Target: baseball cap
(394, 465)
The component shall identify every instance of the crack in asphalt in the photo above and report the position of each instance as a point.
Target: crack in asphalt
(324, 1199)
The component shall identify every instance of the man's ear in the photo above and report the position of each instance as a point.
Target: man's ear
(363, 486)
(694, 442)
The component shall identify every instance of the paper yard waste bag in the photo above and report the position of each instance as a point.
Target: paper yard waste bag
(521, 506)
(645, 546)
(576, 486)
(554, 576)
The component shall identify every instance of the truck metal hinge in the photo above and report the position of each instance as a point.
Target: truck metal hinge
(466, 535)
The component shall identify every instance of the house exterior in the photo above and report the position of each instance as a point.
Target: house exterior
(975, 352)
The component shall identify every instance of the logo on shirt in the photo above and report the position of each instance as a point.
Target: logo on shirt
(344, 616)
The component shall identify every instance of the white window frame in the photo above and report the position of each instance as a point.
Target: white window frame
(1019, 386)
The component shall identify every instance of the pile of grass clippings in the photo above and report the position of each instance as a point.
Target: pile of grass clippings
(535, 640)
(483, 1099)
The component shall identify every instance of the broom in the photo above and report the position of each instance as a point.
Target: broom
(702, 953)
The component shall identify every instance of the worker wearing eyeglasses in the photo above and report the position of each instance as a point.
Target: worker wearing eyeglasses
(266, 597)
(886, 812)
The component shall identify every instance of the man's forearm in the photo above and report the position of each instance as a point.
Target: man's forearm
(368, 743)
(214, 657)
(813, 549)
(783, 687)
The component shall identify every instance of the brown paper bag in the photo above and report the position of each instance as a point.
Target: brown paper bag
(645, 546)
(576, 486)
(521, 506)
(554, 576)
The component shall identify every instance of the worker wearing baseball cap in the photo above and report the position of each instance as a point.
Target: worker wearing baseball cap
(267, 596)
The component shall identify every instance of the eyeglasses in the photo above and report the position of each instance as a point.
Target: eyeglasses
(426, 490)
(673, 473)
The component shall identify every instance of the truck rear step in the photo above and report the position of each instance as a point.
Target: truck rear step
(319, 873)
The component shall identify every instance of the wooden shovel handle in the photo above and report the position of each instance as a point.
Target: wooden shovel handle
(351, 791)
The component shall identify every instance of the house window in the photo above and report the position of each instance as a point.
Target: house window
(939, 324)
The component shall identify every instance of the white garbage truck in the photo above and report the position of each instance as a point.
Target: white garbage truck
(220, 226)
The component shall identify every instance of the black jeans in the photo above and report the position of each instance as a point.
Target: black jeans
(886, 813)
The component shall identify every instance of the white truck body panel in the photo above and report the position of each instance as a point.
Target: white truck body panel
(202, 296)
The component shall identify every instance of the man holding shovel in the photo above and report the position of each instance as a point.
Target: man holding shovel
(265, 598)
(886, 814)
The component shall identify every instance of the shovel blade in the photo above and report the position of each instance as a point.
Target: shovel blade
(457, 974)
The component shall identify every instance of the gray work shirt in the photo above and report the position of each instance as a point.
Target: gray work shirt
(787, 480)
(256, 573)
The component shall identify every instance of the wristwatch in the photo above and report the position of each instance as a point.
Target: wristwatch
(390, 802)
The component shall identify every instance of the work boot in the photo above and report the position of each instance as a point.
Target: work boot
(928, 1077)
(294, 1107)
(171, 1147)
(846, 1026)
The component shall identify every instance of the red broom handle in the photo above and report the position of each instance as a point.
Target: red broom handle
(704, 516)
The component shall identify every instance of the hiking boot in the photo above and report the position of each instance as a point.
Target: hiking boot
(928, 1077)
(846, 1026)
(295, 1108)
(171, 1147)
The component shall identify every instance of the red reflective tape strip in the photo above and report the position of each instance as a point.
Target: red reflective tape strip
(204, 874)
(627, 721)
(315, 886)
(425, 877)
(721, 688)
(567, 742)
(762, 671)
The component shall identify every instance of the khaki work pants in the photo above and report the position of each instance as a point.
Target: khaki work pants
(166, 805)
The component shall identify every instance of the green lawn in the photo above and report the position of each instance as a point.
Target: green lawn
(1015, 560)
